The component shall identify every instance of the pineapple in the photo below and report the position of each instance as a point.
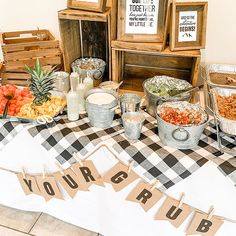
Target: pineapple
(41, 83)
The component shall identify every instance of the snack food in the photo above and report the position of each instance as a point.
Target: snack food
(182, 114)
(21, 96)
(227, 106)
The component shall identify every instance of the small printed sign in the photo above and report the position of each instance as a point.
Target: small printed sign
(95, 1)
(141, 16)
(187, 26)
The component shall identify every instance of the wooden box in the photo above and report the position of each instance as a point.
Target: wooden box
(134, 63)
(23, 48)
(88, 34)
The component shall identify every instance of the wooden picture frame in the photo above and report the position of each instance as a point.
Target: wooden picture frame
(188, 28)
(142, 21)
(89, 5)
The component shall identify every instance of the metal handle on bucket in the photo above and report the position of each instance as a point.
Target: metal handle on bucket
(173, 134)
(97, 74)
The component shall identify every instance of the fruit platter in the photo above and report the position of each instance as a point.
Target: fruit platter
(32, 102)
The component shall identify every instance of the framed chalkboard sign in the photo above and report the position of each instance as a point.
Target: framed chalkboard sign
(89, 5)
(188, 28)
(141, 20)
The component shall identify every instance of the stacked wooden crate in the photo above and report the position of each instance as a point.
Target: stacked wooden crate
(22, 48)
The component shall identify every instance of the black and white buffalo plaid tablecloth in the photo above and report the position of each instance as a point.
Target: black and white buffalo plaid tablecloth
(152, 158)
(64, 137)
(8, 130)
(168, 165)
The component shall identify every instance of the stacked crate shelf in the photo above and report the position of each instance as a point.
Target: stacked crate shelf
(88, 34)
(135, 62)
(22, 48)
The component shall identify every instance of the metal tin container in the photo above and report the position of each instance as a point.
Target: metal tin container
(180, 136)
(96, 71)
(152, 100)
(226, 125)
(206, 75)
(101, 115)
(62, 82)
(129, 102)
(133, 123)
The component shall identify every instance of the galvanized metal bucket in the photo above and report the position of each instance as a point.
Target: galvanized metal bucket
(101, 116)
(153, 100)
(129, 102)
(179, 136)
(133, 123)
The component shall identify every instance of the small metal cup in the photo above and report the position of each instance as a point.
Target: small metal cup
(129, 102)
(62, 82)
(133, 123)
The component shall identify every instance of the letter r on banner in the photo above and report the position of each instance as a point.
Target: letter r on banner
(143, 195)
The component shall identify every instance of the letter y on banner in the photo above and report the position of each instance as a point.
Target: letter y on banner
(119, 176)
(28, 184)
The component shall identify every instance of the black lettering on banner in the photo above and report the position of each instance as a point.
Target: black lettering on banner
(204, 226)
(144, 196)
(86, 172)
(70, 181)
(48, 188)
(119, 177)
(173, 213)
(29, 184)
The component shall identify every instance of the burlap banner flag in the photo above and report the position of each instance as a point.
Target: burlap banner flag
(80, 176)
(145, 195)
(120, 176)
(28, 184)
(70, 182)
(48, 187)
(172, 211)
(87, 173)
(203, 225)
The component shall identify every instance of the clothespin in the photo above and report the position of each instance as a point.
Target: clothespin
(131, 166)
(181, 200)
(23, 172)
(60, 168)
(210, 214)
(154, 185)
(44, 172)
(78, 159)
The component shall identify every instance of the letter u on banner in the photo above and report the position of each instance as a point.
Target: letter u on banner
(119, 177)
(171, 212)
(202, 226)
(70, 182)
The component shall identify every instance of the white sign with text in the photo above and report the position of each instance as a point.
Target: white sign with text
(95, 1)
(187, 26)
(141, 16)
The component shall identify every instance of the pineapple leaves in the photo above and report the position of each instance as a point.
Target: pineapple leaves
(41, 83)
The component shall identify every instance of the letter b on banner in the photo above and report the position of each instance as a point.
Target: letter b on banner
(202, 226)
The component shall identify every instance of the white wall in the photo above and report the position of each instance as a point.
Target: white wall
(221, 31)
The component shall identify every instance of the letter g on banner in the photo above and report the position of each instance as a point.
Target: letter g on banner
(119, 177)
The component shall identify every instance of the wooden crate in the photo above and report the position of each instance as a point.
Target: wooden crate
(88, 34)
(133, 63)
(23, 48)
